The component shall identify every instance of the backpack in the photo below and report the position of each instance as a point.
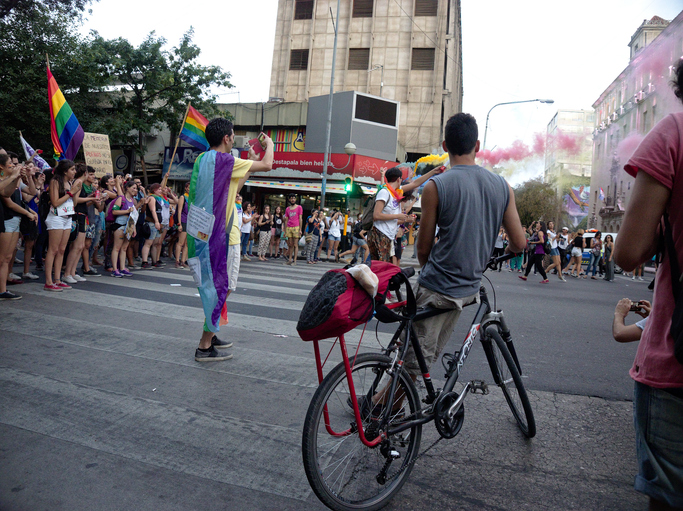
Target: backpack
(368, 210)
(109, 217)
(338, 303)
(677, 317)
(44, 205)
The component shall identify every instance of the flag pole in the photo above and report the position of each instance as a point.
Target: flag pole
(177, 141)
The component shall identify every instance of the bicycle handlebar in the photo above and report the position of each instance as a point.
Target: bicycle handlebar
(494, 261)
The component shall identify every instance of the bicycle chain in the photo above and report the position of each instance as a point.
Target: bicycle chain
(415, 460)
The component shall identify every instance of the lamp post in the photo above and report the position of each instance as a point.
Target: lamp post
(329, 109)
(510, 103)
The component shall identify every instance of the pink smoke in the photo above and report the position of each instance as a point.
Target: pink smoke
(628, 146)
(518, 151)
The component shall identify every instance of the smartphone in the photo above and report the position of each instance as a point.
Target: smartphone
(262, 139)
(635, 306)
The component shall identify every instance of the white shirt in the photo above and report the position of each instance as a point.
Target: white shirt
(563, 241)
(553, 239)
(335, 228)
(391, 207)
(246, 227)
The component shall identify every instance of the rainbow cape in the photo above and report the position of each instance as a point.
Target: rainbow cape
(194, 129)
(67, 133)
(209, 190)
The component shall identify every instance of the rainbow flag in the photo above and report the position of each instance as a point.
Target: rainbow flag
(194, 128)
(67, 133)
(209, 186)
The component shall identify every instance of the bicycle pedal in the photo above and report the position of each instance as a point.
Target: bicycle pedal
(479, 385)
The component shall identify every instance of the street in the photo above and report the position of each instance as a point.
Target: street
(102, 406)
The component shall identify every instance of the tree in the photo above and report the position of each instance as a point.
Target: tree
(28, 36)
(69, 7)
(537, 200)
(153, 86)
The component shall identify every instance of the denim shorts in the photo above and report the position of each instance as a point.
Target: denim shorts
(12, 225)
(659, 443)
(554, 252)
(154, 234)
(330, 237)
(359, 242)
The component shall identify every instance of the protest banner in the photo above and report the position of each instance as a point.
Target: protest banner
(98, 153)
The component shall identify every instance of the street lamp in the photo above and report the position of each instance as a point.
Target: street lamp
(510, 103)
(328, 133)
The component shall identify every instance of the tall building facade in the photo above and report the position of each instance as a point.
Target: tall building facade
(568, 160)
(626, 111)
(408, 51)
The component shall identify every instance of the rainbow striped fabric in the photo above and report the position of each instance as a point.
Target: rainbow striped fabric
(67, 133)
(194, 128)
(209, 190)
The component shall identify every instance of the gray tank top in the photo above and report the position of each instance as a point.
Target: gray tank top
(472, 201)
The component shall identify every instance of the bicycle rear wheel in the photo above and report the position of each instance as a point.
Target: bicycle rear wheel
(341, 469)
(507, 377)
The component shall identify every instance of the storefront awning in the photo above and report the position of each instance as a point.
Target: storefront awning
(306, 186)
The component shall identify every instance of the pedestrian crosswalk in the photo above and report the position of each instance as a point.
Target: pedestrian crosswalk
(115, 372)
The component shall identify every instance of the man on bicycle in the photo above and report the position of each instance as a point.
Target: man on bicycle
(469, 204)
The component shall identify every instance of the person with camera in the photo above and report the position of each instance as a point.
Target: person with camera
(655, 211)
(630, 333)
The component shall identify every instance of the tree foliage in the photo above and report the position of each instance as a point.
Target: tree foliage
(153, 86)
(112, 86)
(28, 37)
(73, 8)
(537, 200)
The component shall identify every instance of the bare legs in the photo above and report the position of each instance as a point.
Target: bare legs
(59, 238)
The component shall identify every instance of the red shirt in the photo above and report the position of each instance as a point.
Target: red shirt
(660, 155)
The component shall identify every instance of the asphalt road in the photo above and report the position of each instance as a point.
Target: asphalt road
(103, 407)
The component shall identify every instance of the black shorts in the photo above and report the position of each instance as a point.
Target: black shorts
(28, 228)
(81, 220)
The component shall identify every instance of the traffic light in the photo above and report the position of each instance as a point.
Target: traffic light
(348, 184)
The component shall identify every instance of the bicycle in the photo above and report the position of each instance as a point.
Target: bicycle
(362, 464)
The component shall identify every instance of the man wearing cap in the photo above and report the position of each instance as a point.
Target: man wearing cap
(562, 242)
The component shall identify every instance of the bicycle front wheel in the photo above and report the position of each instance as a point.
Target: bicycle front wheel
(507, 377)
(341, 469)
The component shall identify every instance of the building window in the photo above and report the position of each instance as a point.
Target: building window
(426, 7)
(423, 59)
(362, 8)
(375, 110)
(298, 60)
(359, 59)
(303, 10)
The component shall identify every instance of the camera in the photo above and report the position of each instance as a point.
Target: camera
(635, 306)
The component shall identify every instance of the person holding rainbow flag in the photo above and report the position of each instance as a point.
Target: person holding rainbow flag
(216, 178)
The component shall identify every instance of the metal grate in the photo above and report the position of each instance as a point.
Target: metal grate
(303, 9)
(362, 8)
(298, 60)
(359, 59)
(423, 59)
(426, 7)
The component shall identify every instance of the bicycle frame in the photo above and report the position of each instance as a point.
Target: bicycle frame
(482, 319)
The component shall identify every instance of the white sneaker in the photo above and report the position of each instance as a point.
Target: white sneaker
(633, 278)
(79, 278)
(30, 276)
(641, 278)
(13, 276)
(69, 279)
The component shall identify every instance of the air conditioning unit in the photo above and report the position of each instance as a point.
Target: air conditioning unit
(241, 141)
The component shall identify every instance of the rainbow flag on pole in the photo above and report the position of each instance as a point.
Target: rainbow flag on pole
(67, 133)
(194, 128)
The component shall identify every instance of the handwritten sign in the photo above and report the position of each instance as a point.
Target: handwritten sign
(98, 153)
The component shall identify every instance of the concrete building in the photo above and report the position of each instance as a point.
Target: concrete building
(409, 52)
(568, 159)
(626, 111)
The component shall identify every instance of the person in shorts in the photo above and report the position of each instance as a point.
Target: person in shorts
(293, 220)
